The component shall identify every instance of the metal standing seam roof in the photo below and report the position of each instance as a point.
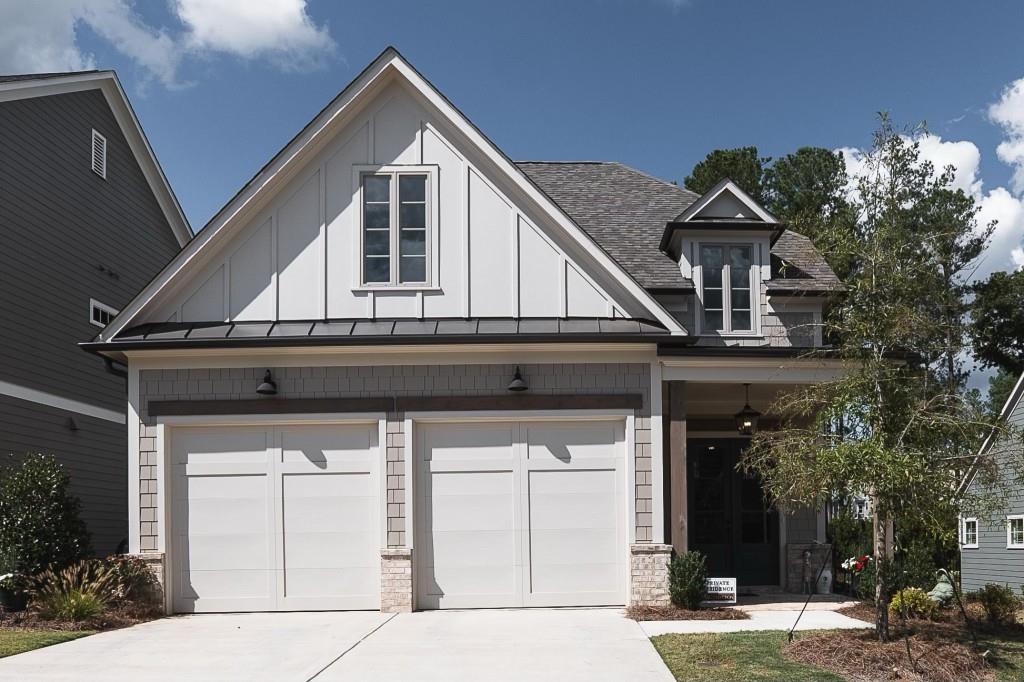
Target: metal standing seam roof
(626, 212)
(396, 331)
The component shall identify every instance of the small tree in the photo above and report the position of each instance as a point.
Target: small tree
(40, 527)
(897, 423)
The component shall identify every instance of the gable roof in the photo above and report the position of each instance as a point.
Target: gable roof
(724, 185)
(1004, 414)
(277, 172)
(22, 86)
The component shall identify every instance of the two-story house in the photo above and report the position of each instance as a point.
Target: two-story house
(86, 220)
(398, 370)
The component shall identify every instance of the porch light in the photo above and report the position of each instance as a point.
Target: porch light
(517, 385)
(268, 387)
(746, 419)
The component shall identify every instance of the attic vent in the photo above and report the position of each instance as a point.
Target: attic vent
(99, 155)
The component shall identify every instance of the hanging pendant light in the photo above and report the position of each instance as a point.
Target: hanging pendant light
(517, 385)
(746, 419)
(268, 387)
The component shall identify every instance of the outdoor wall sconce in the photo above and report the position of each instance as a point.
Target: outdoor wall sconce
(517, 385)
(746, 419)
(268, 387)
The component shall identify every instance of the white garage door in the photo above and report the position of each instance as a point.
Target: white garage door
(521, 514)
(275, 519)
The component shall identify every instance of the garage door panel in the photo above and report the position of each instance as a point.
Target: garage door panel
(229, 585)
(485, 441)
(228, 551)
(220, 446)
(571, 442)
(328, 502)
(576, 578)
(560, 547)
(594, 507)
(324, 583)
(494, 579)
(469, 482)
(469, 548)
(325, 445)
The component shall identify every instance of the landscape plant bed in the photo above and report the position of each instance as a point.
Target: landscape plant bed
(111, 619)
(675, 613)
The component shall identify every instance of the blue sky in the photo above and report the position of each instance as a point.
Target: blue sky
(653, 83)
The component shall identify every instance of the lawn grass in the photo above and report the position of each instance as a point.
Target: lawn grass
(17, 641)
(734, 656)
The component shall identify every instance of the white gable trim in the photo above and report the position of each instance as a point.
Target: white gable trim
(110, 86)
(725, 185)
(308, 142)
(1008, 407)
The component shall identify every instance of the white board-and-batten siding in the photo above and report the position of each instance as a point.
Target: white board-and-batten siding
(298, 257)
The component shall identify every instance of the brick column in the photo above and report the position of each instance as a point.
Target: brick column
(648, 574)
(396, 580)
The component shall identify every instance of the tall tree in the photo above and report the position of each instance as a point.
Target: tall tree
(807, 190)
(741, 165)
(997, 321)
(886, 426)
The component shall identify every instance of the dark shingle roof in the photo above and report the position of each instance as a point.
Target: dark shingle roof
(622, 209)
(41, 76)
(625, 211)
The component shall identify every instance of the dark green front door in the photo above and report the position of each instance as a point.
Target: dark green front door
(731, 522)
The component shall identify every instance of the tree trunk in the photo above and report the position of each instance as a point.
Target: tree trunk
(879, 526)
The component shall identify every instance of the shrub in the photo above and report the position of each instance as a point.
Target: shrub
(914, 603)
(40, 525)
(74, 593)
(999, 602)
(687, 575)
(917, 567)
(132, 581)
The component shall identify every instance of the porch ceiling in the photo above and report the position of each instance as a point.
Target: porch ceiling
(726, 399)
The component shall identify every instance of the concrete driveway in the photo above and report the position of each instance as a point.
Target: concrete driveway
(529, 644)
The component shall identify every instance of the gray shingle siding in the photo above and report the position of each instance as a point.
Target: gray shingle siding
(992, 562)
(59, 224)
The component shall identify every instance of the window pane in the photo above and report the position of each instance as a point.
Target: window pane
(413, 243)
(741, 299)
(377, 243)
(713, 299)
(711, 261)
(412, 188)
(375, 216)
(740, 320)
(377, 269)
(712, 320)
(413, 215)
(413, 269)
(739, 266)
(377, 188)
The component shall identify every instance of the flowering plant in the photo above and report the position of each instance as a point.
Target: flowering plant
(857, 564)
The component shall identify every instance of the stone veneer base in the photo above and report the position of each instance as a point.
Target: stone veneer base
(648, 574)
(396, 580)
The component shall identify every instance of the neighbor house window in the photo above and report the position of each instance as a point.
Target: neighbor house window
(1015, 532)
(726, 290)
(969, 537)
(100, 314)
(395, 228)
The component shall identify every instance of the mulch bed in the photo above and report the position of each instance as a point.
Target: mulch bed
(112, 619)
(673, 613)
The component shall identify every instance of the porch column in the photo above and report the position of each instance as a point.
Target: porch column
(677, 465)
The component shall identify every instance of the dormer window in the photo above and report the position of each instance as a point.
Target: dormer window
(725, 288)
(396, 230)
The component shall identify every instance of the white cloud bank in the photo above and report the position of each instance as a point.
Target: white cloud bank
(43, 36)
(1006, 207)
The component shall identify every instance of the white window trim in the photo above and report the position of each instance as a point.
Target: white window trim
(1009, 543)
(756, 249)
(96, 135)
(963, 533)
(93, 303)
(433, 218)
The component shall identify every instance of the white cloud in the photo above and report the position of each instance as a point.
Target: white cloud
(1008, 112)
(43, 36)
(1005, 250)
(278, 29)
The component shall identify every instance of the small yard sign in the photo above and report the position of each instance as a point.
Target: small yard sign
(720, 591)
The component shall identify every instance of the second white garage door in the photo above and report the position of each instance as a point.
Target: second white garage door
(274, 519)
(521, 514)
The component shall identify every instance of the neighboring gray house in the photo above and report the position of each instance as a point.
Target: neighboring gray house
(992, 550)
(398, 370)
(86, 220)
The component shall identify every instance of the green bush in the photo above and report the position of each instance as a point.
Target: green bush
(917, 567)
(913, 603)
(132, 581)
(74, 593)
(40, 525)
(687, 575)
(999, 602)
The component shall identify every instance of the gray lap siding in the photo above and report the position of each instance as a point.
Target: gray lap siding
(386, 381)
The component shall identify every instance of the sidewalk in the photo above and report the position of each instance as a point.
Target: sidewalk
(759, 620)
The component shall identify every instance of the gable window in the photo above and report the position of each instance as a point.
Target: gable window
(395, 228)
(1015, 532)
(725, 287)
(99, 314)
(99, 155)
(969, 534)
